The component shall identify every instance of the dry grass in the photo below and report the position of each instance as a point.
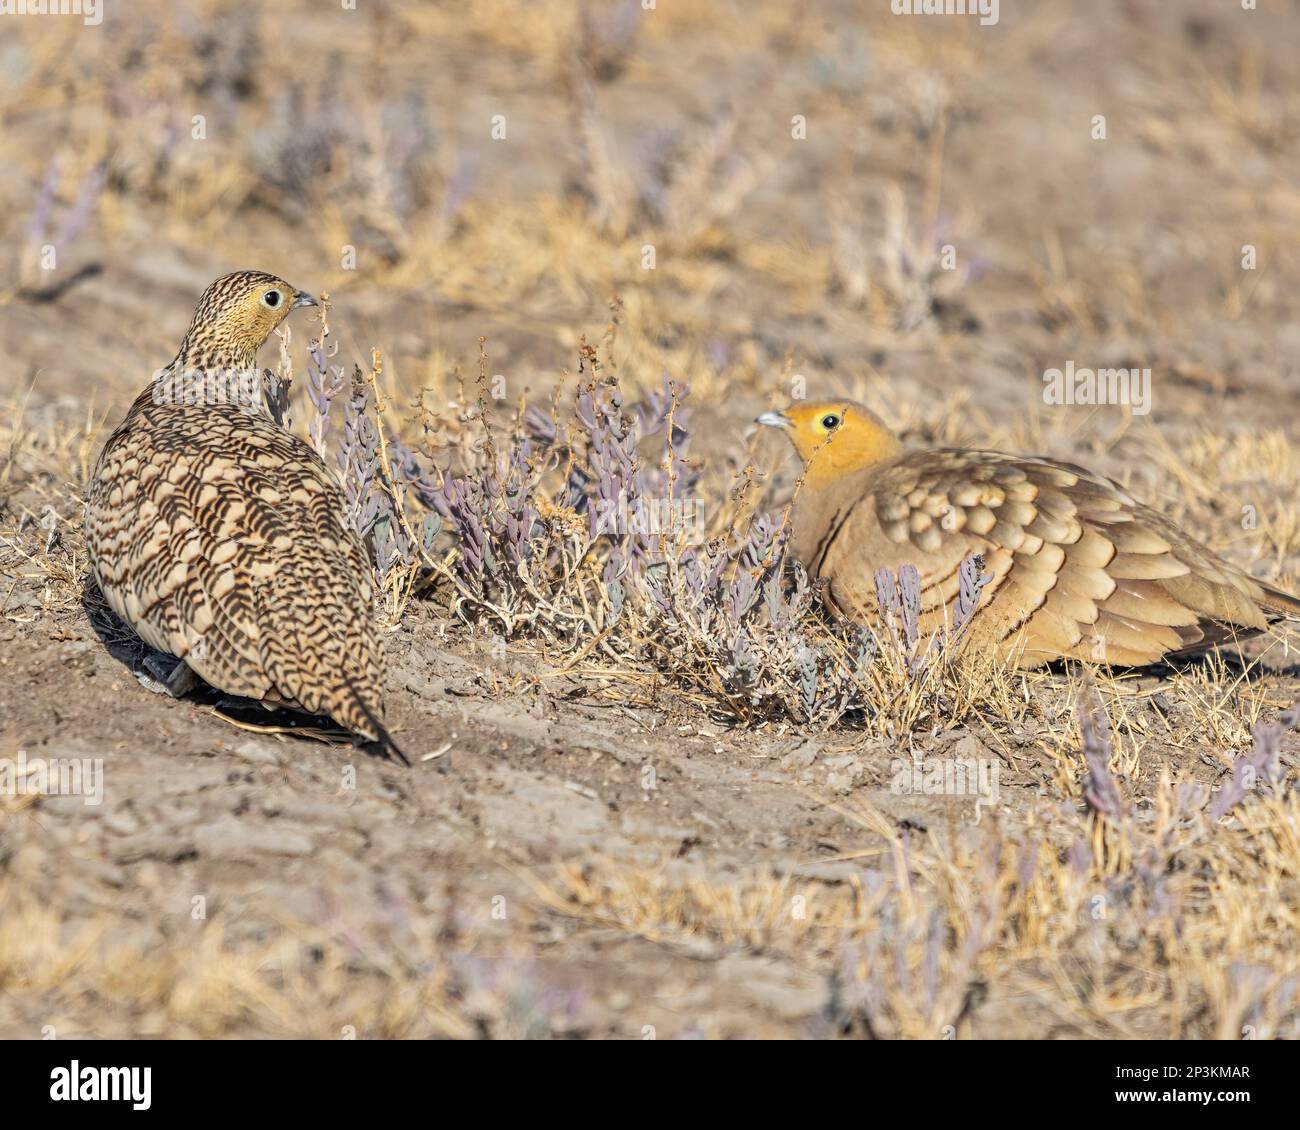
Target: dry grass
(1166, 925)
(774, 260)
(305, 982)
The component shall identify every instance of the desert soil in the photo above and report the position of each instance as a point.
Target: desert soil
(558, 862)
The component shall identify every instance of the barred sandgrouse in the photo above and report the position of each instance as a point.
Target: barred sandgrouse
(1077, 568)
(221, 538)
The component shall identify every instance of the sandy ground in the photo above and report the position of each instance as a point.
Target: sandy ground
(559, 862)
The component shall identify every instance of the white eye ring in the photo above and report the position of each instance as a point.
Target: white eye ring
(272, 299)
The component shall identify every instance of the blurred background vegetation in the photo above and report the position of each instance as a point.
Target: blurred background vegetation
(920, 212)
(506, 167)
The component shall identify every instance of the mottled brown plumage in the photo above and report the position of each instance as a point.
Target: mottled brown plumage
(1079, 569)
(220, 537)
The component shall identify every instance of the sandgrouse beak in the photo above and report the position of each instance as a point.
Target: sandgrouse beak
(304, 299)
(774, 420)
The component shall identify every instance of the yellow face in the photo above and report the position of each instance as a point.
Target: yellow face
(834, 437)
(236, 315)
(253, 316)
(812, 425)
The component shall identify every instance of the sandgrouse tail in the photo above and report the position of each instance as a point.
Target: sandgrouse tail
(1078, 569)
(220, 537)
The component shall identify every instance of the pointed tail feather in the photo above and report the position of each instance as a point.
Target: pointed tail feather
(1280, 603)
(387, 746)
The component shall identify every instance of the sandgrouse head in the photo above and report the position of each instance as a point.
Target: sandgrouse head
(834, 437)
(235, 316)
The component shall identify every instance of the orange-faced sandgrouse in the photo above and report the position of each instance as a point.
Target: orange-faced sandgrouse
(221, 538)
(1078, 569)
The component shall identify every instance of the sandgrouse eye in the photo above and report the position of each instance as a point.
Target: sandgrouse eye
(271, 298)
